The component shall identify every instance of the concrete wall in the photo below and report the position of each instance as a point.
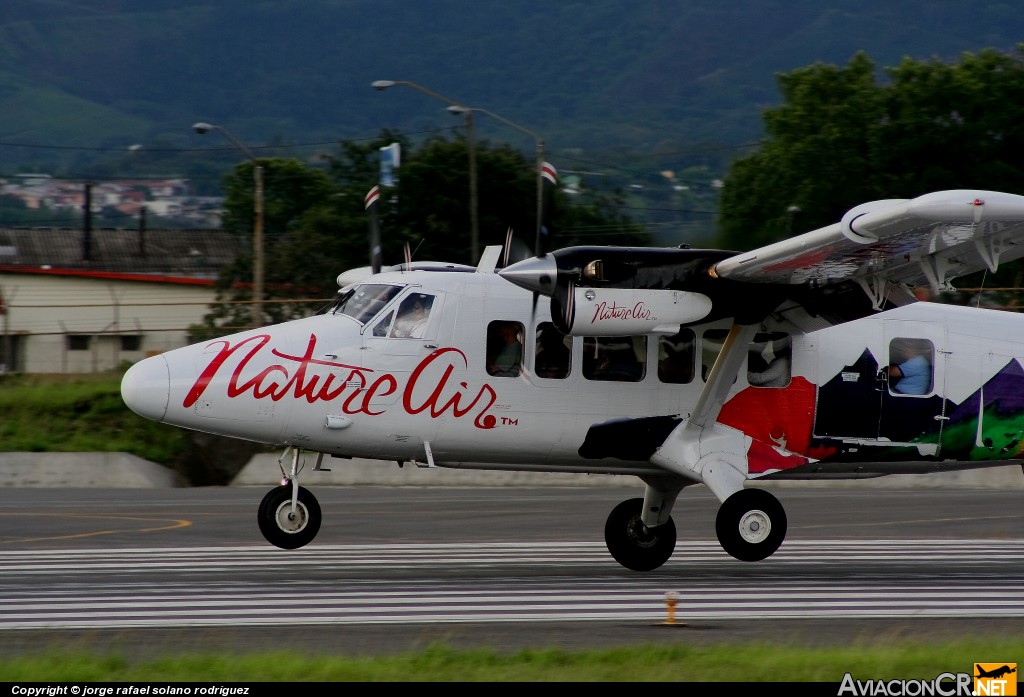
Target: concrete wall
(120, 470)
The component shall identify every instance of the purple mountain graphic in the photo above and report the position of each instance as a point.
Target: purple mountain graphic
(1005, 391)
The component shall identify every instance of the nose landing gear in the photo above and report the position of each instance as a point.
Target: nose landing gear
(286, 523)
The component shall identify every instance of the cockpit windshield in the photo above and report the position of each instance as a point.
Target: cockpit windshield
(364, 301)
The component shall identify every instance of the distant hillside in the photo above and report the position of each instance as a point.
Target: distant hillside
(633, 86)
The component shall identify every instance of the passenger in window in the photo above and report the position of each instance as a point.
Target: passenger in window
(505, 357)
(552, 353)
(911, 368)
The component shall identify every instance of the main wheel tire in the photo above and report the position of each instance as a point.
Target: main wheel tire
(283, 529)
(633, 544)
(751, 525)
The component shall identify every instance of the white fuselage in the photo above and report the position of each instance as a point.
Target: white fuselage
(332, 383)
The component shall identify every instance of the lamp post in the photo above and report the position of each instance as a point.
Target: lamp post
(257, 224)
(458, 109)
(474, 226)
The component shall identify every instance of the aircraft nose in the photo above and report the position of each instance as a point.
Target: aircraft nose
(146, 388)
(537, 274)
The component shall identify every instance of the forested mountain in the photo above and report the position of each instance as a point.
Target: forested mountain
(634, 88)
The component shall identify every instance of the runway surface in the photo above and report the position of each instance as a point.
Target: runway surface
(395, 569)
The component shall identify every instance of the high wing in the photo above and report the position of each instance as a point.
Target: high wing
(871, 260)
(887, 247)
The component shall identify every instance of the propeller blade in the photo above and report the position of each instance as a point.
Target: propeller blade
(508, 247)
(563, 306)
(408, 257)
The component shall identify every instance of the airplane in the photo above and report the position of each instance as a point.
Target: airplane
(673, 365)
(996, 672)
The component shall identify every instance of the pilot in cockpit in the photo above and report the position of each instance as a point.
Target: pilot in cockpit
(412, 316)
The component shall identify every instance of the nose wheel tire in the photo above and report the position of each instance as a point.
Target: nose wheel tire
(633, 544)
(751, 525)
(282, 526)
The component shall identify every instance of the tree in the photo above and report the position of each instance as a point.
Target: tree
(429, 207)
(840, 138)
(291, 190)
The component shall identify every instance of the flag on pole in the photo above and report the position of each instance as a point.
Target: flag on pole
(372, 196)
(549, 173)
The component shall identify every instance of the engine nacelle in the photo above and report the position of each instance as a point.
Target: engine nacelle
(626, 311)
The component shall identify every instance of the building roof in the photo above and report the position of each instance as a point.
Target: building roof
(168, 253)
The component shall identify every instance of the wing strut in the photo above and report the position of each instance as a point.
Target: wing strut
(876, 288)
(722, 376)
(991, 248)
(699, 448)
(937, 269)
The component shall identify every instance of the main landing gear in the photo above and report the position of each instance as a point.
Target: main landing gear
(632, 543)
(751, 525)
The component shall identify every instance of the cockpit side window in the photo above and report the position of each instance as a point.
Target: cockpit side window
(364, 301)
(413, 315)
(410, 319)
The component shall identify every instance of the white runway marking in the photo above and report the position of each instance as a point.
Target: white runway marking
(546, 582)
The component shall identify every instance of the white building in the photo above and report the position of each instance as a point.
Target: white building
(74, 303)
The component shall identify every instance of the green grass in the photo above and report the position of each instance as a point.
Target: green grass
(743, 663)
(79, 413)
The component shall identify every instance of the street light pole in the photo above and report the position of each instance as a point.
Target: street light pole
(458, 109)
(257, 223)
(474, 225)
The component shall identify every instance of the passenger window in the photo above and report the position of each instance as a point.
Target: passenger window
(617, 358)
(769, 360)
(676, 357)
(910, 370)
(553, 354)
(504, 348)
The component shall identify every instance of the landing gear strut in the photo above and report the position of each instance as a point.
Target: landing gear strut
(285, 525)
(751, 524)
(634, 545)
